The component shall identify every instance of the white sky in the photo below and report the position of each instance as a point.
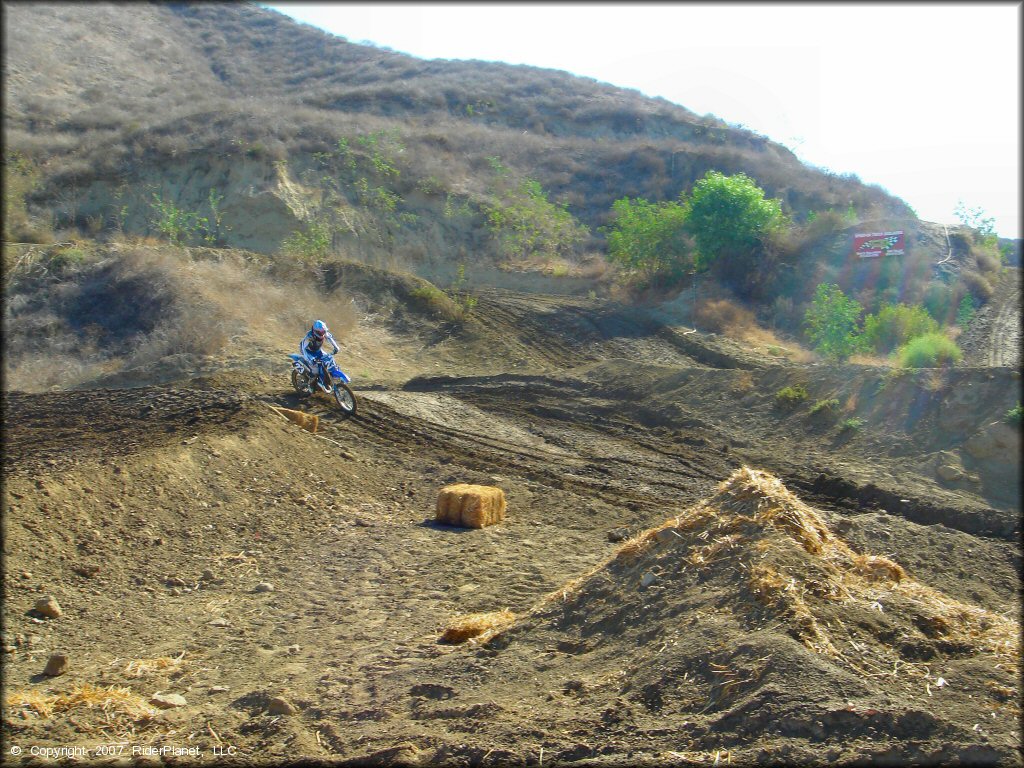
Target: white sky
(922, 99)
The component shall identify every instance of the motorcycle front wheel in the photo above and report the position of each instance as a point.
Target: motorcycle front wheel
(301, 382)
(345, 399)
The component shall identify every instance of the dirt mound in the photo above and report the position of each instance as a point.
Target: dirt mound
(743, 628)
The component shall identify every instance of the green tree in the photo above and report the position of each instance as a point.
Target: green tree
(975, 218)
(896, 324)
(729, 216)
(831, 322)
(647, 237)
(526, 223)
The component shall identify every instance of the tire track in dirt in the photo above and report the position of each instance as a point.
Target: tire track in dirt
(556, 433)
(993, 339)
(1004, 338)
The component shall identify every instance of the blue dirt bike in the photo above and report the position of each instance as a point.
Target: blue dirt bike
(328, 377)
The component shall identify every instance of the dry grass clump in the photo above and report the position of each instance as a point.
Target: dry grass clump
(877, 568)
(308, 421)
(479, 627)
(122, 708)
(785, 594)
(722, 316)
(143, 667)
(737, 322)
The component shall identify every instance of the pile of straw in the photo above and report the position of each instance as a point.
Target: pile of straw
(480, 627)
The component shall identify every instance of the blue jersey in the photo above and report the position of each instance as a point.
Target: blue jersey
(310, 345)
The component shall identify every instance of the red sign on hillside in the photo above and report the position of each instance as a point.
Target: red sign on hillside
(875, 244)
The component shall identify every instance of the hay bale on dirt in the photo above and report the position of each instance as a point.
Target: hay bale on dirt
(308, 421)
(481, 626)
(470, 506)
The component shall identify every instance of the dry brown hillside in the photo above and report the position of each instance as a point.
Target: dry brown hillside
(182, 99)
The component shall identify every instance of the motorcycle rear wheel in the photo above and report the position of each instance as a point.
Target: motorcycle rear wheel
(345, 399)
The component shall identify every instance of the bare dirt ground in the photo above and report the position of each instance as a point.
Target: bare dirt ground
(292, 588)
(994, 337)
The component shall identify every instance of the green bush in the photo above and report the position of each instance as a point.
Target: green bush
(432, 299)
(790, 397)
(831, 322)
(525, 223)
(965, 312)
(312, 246)
(64, 259)
(1014, 415)
(728, 216)
(938, 300)
(931, 350)
(825, 406)
(646, 237)
(851, 424)
(894, 325)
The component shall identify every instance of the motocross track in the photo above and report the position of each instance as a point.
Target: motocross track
(153, 513)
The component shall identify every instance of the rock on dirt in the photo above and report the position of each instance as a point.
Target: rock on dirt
(57, 665)
(168, 700)
(264, 586)
(281, 706)
(48, 607)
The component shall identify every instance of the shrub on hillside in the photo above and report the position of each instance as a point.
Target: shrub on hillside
(828, 406)
(932, 350)
(728, 216)
(790, 397)
(894, 325)
(978, 285)
(965, 312)
(22, 176)
(831, 322)
(938, 299)
(432, 299)
(647, 237)
(1015, 415)
(721, 315)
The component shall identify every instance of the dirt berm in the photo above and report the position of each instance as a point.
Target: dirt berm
(695, 572)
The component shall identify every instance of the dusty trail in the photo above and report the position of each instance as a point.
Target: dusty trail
(993, 339)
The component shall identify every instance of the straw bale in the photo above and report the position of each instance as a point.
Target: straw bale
(308, 421)
(477, 625)
(470, 506)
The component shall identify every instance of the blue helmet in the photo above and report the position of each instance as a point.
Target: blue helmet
(319, 330)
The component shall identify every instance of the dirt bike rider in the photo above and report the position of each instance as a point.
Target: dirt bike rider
(310, 346)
